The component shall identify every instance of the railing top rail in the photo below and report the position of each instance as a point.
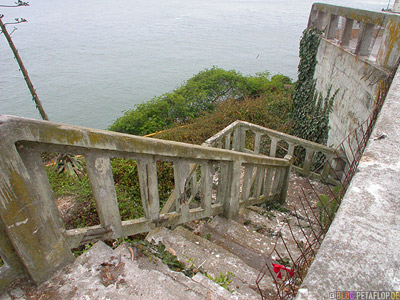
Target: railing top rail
(365, 16)
(222, 133)
(256, 128)
(16, 129)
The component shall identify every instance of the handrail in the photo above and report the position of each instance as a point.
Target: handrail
(36, 242)
(235, 137)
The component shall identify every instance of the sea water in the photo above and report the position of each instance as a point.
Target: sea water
(91, 60)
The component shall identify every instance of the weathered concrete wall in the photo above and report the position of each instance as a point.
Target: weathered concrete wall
(396, 6)
(361, 249)
(358, 84)
(358, 52)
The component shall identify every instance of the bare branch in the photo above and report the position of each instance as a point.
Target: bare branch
(15, 28)
(35, 97)
(18, 3)
(17, 21)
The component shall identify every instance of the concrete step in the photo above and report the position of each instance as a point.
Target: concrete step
(101, 273)
(192, 254)
(273, 224)
(246, 272)
(200, 284)
(253, 248)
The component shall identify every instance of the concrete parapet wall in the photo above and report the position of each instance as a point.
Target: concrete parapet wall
(377, 37)
(358, 52)
(361, 249)
(358, 83)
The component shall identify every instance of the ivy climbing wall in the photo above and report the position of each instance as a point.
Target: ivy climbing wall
(311, 109)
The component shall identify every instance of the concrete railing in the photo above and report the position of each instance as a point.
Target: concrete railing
(240, 135)
(371, 35)
(33, 239)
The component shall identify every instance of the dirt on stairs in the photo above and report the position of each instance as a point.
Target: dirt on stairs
(104, 273)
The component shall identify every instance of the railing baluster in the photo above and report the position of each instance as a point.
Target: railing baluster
(268, 180)
(181, 177)
(236, 139)
(102, 183)
(308, 160)
(223, 182)
(257, 142)
(193, 179)
(206, 186)
(231, 203)
(219, 143)
(247, 180)
(239, 135)
(284, 181)
(326, 170)
(242, 138)
(275, 184)
(260, 174)
(291, 148)
(274, 143)
(228, 141)
(147, 170)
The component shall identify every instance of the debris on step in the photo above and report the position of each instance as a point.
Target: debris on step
(284, 226)
(198, 283)
(252, 247)
(101, 273)
(247, 273)
(191, 254)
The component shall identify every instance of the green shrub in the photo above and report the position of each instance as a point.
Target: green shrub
(223, 280)
(328, 206)
(198, 95)
(63, 185)
(269, 111)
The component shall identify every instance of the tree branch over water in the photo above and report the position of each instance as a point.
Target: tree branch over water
(18, 3)
(28, 81)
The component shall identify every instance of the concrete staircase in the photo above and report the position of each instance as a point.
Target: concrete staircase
(215, 246)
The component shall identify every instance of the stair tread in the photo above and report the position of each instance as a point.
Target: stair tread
(246, 272)
(277, 224)
(209, 290)
(101, 274)
(251, 246)
(191, 254)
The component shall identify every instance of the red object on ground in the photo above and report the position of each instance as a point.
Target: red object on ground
(279, 268)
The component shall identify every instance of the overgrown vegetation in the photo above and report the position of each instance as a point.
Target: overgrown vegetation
(328, 206)
(310, 113)
(159, 250)
(83, 209)
(271, 111)
(223, 280)
(78, 190)
(198, 95)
